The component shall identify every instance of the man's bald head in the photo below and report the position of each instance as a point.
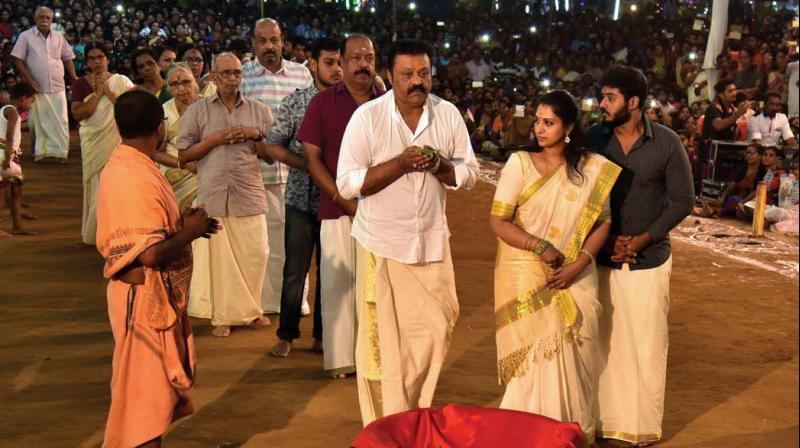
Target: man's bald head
(227, 73)
(268, 22)
(225, 61)
(268, 43)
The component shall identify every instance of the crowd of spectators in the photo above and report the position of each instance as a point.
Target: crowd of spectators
(492, 66)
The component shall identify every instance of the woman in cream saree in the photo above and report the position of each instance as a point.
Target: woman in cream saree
(98, 131)
(551, 214)
(184, 90)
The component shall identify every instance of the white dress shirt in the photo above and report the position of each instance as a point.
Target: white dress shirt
(478, 71)
(405, 221)
(45, 58)
(769, 130)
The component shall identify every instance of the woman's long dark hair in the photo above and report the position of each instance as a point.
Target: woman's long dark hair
(566, 108)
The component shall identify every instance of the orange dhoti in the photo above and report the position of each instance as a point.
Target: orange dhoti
(153, 365)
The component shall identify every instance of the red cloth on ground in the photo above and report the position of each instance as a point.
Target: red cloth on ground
(455, 426)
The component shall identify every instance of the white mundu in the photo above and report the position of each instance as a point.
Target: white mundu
(405, 286)
(634, 370)
(337, 276)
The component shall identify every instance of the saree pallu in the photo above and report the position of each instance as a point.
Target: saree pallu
(183, 182)
(545, 337)
(99, 137)
(154, 346)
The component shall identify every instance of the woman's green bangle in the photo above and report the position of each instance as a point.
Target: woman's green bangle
(541, 246)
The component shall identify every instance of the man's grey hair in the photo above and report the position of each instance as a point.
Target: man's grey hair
(42, 8)
(222, 55)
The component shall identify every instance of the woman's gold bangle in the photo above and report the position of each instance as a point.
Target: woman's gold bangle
(584, 251)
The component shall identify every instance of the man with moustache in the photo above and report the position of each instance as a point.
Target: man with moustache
(269, 79)
(321, 134)
(40, 56)
(770, 126)
(224, 133)
(302, 234)
(651, 196)
(405, 282)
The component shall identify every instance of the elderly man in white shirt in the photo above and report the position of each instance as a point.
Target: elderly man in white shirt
(405, 282)
(41, 55)
(770, 126)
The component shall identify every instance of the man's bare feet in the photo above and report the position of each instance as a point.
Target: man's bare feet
(316, 346)
(262, 321)
(340, 376)
(22, 232)
(29, 216)
(4, 233)
(282, 349)
(223, 331)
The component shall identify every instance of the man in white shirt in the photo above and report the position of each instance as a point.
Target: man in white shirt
(41, 55)
(477, 68)
(770, 126)
(405, 288)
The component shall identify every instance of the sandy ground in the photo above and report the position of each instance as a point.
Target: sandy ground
(733, 360)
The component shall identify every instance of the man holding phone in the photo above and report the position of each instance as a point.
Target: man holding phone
(720, 121)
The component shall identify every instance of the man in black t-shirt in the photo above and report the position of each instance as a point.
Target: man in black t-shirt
(719, 123)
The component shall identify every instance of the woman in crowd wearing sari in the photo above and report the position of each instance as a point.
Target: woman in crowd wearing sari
(551, 214)
(185, 91)
(732, 199)
(196, 62)
(183, 177)
(93, 98)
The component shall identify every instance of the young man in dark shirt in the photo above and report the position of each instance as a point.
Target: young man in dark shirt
(651, 196)
(719, 122)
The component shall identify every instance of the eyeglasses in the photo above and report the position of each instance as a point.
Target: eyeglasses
(184, 83)
(228, 74)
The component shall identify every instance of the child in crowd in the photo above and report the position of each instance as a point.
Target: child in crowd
(22, 97)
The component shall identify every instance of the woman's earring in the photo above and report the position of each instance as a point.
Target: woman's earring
(566, 139)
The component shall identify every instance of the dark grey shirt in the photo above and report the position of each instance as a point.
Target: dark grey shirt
(653, 193)
(228, 177)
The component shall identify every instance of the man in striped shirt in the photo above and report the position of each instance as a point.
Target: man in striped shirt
(268, 79)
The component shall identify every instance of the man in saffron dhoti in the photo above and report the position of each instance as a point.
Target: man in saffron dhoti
(41, 55)
(551, 214)
(654, 194)
(405, 285)
(93, 97)
(148, 260)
